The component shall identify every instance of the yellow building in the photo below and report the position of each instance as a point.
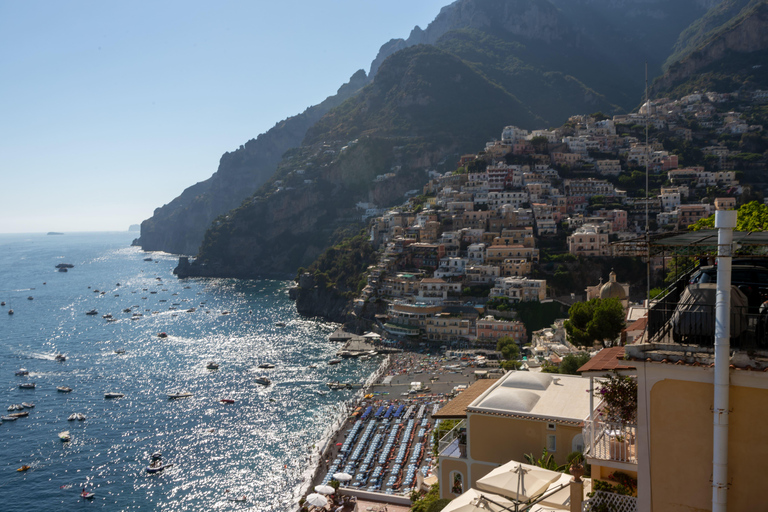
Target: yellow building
(521, 413)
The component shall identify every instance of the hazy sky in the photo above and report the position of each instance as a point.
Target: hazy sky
(109, 109)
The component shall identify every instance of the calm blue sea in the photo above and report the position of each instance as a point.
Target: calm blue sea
(257, 447)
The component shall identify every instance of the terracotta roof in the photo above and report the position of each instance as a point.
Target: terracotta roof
(457, 408)
(606, 360)
(638, 325)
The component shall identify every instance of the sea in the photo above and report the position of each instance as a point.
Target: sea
(264, 446)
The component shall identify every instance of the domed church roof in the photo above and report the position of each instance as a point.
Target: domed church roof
(612, 289)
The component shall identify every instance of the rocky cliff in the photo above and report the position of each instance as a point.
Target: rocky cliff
(743, 34)
(179, 226)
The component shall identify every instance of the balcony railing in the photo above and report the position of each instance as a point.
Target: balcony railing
(610, 441)
(454, 443)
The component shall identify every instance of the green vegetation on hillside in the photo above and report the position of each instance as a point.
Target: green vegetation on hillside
(343, 265)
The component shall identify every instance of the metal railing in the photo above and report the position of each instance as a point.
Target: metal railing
(610, 441)
(454, 443)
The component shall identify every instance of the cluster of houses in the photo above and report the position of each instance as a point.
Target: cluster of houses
(479, 226)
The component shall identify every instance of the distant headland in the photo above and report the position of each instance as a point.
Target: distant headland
(54, 233)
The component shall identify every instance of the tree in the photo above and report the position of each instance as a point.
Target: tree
(508, 348)
(599, 320)
(573, 362)
(752, 216)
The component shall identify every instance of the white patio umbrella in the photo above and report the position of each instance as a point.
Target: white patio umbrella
(342, 477)
(324, 489)
(562, 497)
(476, 501)
(518, 481)
(317, 500)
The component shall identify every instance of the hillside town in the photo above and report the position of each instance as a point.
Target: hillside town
(578, 188)
(459, 257)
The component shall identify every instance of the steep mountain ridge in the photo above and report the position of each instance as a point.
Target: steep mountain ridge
(399, 124)
(179, 226)
(738, 42)
(546, 58)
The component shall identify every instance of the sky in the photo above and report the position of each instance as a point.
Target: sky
(111, 109)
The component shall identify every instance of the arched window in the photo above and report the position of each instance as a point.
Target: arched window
(457, 483)
(577, 445)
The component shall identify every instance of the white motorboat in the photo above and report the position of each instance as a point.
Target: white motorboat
(15, 407)
(267, 366)
(8, 418)
(113, 395)
(87, 495)
(64, 389)
(72, 417)
(28, 405)
(65, 436)
(22, 371)
(80, 416)
(313, 365)
(183, 394)
(27, 385)
(263, 380)
(334, 361)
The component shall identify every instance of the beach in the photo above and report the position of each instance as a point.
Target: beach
(384, 435)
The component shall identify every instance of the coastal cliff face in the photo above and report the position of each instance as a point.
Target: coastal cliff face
(179, 226)
(741, 35)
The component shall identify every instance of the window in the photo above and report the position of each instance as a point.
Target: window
(457, 483)
(551, 443)
(551, 426)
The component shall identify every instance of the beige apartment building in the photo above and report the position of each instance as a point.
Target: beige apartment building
(505, 419)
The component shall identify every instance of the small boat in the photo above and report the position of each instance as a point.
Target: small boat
(28, 405)
(8, 418)
(60, 357)
(65, 436)
(64, 389)
(334, 361)
(80, 416)
(212, 365)
(87, 495)
(313, 365)
(14, 407)
(147, 259)
(23, 468)
(227, 401)
(22, 371)
(27, 385)
(113, 395)
(108, 315)
(157, 456)
(127, 310)
(2, 303)
(120, 351)
(30, 298)
(267, 366)
(22, 414)
(162, 335)
(92, 312)
(239, 499)
(280, 324)
(173, 396)
(157, 465)
(72, 417)
(10, 311)
(263, 380)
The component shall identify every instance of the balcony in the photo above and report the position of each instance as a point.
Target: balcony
(614, 442)
(454, 443)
